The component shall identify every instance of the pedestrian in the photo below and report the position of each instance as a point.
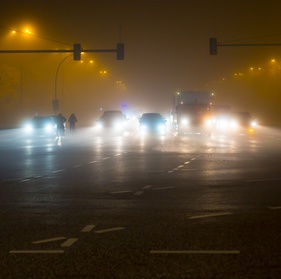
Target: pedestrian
(60, 121)
(72, 120)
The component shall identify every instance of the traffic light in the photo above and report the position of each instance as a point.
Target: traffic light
(120, 51)
(213, 46)
(77, 52)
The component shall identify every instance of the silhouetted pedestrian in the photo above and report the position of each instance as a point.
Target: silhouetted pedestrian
(60, 120)
(72, 120)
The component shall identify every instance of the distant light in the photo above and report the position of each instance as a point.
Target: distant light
(273, 60)
(251, 68)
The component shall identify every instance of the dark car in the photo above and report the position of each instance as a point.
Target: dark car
(244, 121)
(152, 124)
(112, 121)
(41, 126)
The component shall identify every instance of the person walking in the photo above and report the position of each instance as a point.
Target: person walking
(72, 120)
(60, 120)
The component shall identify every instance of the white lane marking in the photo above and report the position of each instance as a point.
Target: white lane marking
(36, 251)
(25, 180)
(69, 242)
(180, 166)
(170, 171)
(146, 187)
(56, 171)
(138, 193)
(163, 188)
(121, 192)
(209, 215)
(175, 169)
(88, 228)
(193, 159)
(77, 166)
(118, 154)
(48, 240)
(105, 158)
(189, 170)
(110, 230)
(274, 207)
(195, 252)
(266, 179)
(186, 163)
(92, 162)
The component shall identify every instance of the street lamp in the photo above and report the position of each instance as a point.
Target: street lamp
(56, 101)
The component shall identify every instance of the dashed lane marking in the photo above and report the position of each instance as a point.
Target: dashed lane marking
(146, 187)
(110, 230)
(69, 242)
(209, 215)
(138, 193)
(121, 192)
(25, 180)
(88, 228)
(92, 162)
(77, 166)
(61, 170)
(49, 240)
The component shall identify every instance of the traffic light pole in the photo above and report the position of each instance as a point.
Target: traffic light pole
(213, 45)
(76, 50)
(76, 56)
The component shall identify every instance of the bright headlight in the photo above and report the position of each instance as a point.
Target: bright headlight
(28, 128)
(184, 121)
(143, 127)
(98, 125)
(253, 124)
(161, 127)
(48, 128)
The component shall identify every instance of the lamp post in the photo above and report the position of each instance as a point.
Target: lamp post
(56, 101)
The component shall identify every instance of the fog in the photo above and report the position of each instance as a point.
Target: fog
(166, 50)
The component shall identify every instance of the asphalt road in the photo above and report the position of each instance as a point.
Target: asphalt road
(124, 207)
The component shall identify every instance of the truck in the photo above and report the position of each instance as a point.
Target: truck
(191, 111)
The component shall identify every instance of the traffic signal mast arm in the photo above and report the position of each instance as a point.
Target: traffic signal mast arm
(213, 45)
(76, 51)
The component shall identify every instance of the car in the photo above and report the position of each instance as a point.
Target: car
(113, 121)
(152, 124)
(42, 126)
(244, 121)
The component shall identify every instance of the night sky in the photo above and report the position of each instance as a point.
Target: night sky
(166, 50)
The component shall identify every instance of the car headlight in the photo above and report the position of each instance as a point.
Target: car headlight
(161, 127)
(253, 124)
(184, 121)
(99, 125)
(48, 128)
(143, 127)
(28, 128)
